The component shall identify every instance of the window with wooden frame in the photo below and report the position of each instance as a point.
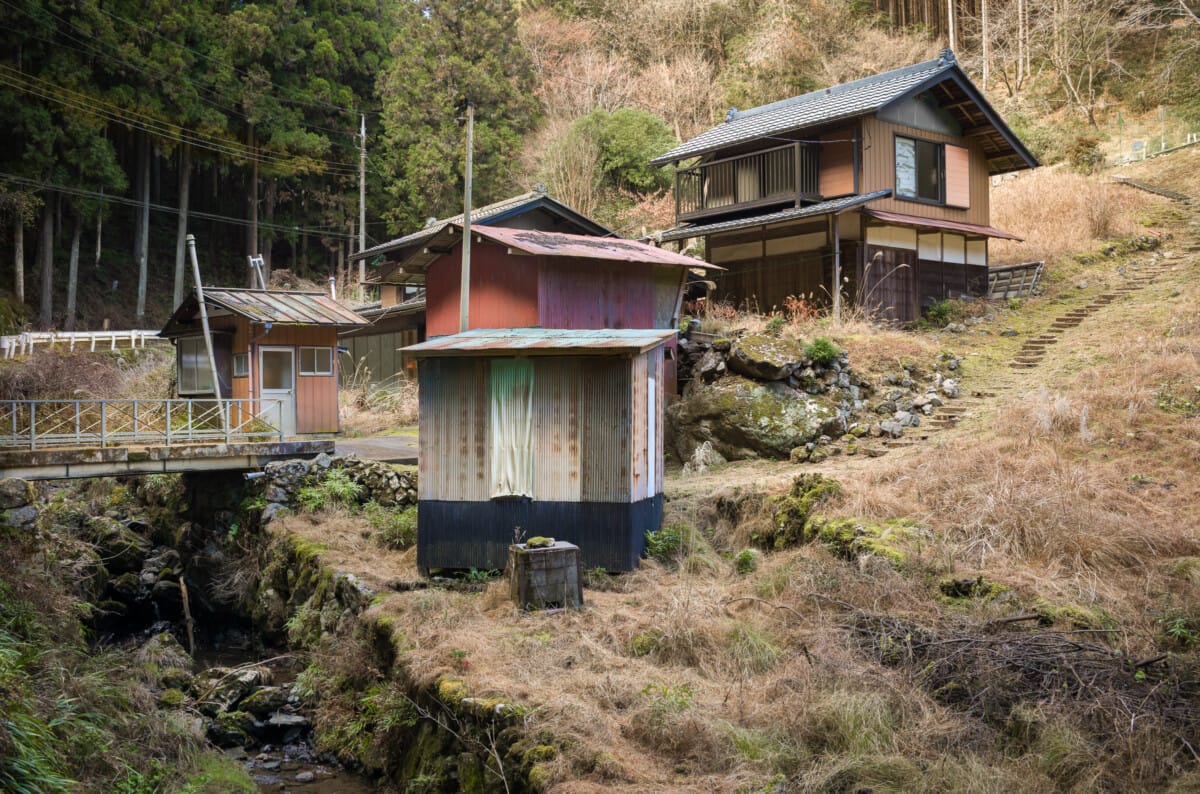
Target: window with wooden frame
(241, 365)
(932, 172)
(316, 361)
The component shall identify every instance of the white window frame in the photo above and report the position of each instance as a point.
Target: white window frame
(303, 364)
(201, 371)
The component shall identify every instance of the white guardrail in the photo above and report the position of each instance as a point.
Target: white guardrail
(36, 424)
(23, 344)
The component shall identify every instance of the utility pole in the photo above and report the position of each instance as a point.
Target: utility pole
(950, 23)
(464, 298)
(362, 201)
(986, 52)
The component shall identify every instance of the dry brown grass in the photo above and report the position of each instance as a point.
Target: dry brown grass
(367, 408)
(1060, 213)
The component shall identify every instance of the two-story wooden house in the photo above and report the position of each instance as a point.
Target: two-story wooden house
(880, 186)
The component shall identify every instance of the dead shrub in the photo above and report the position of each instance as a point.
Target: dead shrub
(367, 408)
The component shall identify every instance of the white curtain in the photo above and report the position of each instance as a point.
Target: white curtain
(512, 427)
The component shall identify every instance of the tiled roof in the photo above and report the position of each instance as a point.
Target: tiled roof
(478, 215)
(544, 341)
(844, 101)
(822, 208)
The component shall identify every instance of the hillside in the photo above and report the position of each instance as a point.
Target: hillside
(251, 116)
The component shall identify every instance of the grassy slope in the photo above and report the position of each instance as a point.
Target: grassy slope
(1072, 491)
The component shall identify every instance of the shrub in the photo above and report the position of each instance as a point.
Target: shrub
(664, 545)
(395, 528)
(336, 488)
(822, 351)
(775, 324)
(745, 562)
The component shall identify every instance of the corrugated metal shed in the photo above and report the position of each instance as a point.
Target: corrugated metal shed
(823, 208)
(541, 341)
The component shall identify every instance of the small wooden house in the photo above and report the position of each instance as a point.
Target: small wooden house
(875, 189)
(532, 278)
(277, 346)
(529, 431)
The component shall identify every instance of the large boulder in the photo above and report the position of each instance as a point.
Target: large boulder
(122, 549)
(744, 419)
(766, 357)
(15, 493)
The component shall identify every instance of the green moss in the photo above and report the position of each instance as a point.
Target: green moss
(218, 775)
(171, 698)
(644, 644)
(979, 588)
(539, 542)
(541, 777)
(537, 753)
(789, 523)
(1072, 616)
(451, 691)
(850, 538)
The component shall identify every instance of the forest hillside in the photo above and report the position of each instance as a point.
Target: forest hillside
(131, 125)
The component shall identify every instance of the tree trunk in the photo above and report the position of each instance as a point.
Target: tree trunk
(252, 204)
(99, 236)
(986, 51)
(272, 198)
(19, 254)
(185, 178)
(143, 257)
(47, 309)
(73, 273)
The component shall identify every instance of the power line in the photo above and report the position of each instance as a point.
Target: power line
(85, 193)
(110, 112)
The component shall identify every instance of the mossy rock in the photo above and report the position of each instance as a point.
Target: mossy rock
(978, 589)
(171, 698)
(765, 357)
(263, 701)
(745, 419)
(539, 542)
(792, 512)
(231, 729)
(122, 549)
(851, 538)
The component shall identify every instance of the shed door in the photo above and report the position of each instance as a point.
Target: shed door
(277, 370)
(512, 427)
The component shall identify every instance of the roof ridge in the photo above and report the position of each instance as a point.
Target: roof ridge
(882, 77)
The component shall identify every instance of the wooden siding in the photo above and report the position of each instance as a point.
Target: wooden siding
(837, 164)
(879, 172)
(316, 395)
(588, 293)
(389, 295)
(763, 284)
(889, 283)
(503, 290)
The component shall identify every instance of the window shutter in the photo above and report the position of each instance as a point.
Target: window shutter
(958, 177)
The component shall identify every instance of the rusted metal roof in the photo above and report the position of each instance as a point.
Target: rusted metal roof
(279, 306)
(539, 243)
(541, 341)
(937, 223)
(488, 215)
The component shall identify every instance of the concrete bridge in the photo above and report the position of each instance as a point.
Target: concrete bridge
(62, 439)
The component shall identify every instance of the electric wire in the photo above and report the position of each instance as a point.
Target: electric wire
(210, 216)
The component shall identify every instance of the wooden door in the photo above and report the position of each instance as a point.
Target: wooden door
(889, 284)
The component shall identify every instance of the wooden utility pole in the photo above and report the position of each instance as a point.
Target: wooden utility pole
(47, 252)
(73, 273)
(464, 298)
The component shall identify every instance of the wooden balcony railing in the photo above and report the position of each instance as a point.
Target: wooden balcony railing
(782, 175)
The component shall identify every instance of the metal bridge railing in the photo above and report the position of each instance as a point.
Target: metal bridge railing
(35, 424)
(23, 344)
